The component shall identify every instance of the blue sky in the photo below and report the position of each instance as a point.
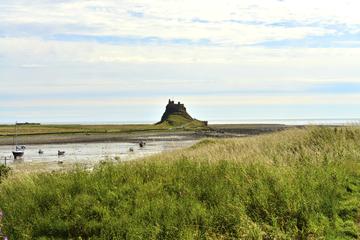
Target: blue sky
(120, 61)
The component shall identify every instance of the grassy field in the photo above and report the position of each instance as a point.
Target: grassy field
(295, 184)
(174, 122)
(9, 130)
(44, 134)
(178, 121)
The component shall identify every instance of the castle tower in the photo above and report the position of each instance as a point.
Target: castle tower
(175, 108)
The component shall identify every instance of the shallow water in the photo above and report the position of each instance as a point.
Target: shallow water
(90, 153)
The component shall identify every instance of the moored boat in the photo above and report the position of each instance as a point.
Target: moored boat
(61, 153)
(19, 149)
(18, 154)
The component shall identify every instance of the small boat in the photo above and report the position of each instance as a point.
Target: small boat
(142, 144)
(41, 151)
(61, 153)
(18, 154)
(19, 149)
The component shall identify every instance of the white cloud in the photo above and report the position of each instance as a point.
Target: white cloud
(205, 101)
(17, 48)
(33, 56)
(174, 19)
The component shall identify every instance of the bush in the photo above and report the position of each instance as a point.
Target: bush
(4, 171)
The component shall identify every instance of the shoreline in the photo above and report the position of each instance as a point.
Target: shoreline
(96, 138)
(133, 135)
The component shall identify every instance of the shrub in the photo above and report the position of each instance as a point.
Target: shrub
(4, 171)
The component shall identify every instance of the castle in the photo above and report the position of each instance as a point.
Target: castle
(175, 108)
(179, 109)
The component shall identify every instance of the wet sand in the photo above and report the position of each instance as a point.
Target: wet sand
(88, 149)
(250, 129)
(97, 137)
(220, 130)
(84, 154)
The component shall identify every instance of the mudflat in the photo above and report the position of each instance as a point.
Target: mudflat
(47, 134)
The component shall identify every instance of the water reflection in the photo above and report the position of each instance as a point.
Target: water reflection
(90, 153)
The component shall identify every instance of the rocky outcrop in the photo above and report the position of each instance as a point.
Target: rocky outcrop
(175, 114)
(175, 108)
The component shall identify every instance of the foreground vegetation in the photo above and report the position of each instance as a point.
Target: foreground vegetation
(296, 184)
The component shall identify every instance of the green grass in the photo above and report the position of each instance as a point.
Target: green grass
(177, 121)
(4, 172)
(296, 184)
(9, 130)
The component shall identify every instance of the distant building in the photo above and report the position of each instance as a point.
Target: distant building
(178, 109)
(27, 123)
(175, 108)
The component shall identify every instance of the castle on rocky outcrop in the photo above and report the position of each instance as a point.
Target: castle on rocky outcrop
(179, 109)
(175, 108)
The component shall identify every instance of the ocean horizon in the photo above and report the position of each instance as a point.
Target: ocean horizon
(291, 122)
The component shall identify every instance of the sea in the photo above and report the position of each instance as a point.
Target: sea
(285, 121)
(293, 122)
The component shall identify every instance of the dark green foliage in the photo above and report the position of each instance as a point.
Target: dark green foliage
(4, 171)
(312, 191)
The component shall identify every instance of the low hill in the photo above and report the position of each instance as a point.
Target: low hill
(176, 116)
(179, 121)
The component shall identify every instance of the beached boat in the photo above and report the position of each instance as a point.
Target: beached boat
(142, 144)
(61, 153)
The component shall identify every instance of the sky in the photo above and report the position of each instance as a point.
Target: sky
(232, 60)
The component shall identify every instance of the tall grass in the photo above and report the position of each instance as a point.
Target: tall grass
(4, 171)
(297, 184)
